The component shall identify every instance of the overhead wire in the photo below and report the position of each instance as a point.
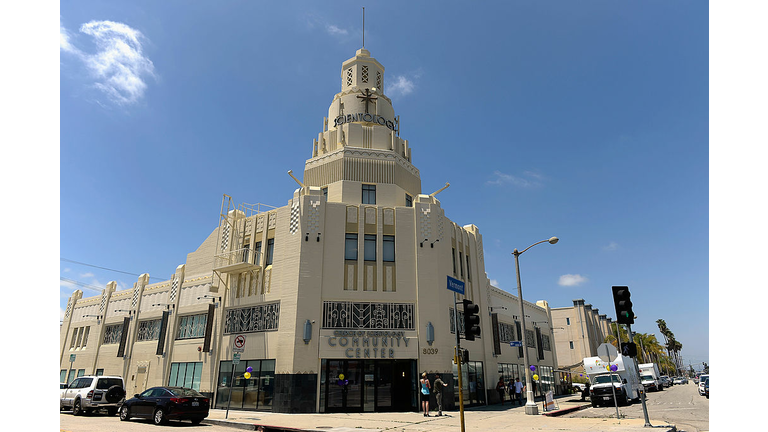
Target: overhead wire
(108, 269)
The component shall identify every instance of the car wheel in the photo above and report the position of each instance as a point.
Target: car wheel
(159, 417)
(594, 404)
(125, 414)
(76, 409)
(196, 420)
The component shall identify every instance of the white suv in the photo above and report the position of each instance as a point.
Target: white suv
(89, 393)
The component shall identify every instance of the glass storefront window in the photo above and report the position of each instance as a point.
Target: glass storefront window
(472, 382)
(254, 393)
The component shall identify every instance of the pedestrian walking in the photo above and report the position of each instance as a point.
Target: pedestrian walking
(500, 387)
(438, 389)
(519, 388)
(425, 393)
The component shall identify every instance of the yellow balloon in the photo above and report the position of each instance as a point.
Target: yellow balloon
(341, 376)
(535, 377)
(608, 367)
(247, 375)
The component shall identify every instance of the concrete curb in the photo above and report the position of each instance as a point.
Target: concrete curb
(250, 426)
(565, 410)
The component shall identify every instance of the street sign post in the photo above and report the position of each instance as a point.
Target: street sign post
(72, 358)
(236, 358)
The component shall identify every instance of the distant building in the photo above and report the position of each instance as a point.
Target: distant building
(337, 301)
(578, 331)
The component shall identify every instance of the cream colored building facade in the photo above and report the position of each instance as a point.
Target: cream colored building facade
(337, 301)
(578, 331)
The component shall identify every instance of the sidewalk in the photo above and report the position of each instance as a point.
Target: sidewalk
(484, 418)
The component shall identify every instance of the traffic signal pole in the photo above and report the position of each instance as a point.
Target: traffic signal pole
(458, 358)
(637, 371)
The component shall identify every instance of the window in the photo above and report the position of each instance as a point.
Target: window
(408, 200)
(149, 330)
(71, 376)
(350, 247)
(270, 251)
(370, 247)
(86, 381)
(369, 194)
(85, 336)
(567, 321)
(325, 192)
(469, 274)
(72, 343)
(388, 248)
(365, 74)
(257, 249)
(349, 77)
(112, 334)
(99, 372)
(461, 268)
(186, 375)
(571, 342)
(453, 250)
(379, 82)
(62, 376)
(192, 326)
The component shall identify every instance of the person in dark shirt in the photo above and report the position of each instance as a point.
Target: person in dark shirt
(438, 389)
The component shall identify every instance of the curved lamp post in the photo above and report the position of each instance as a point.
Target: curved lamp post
(530, 405)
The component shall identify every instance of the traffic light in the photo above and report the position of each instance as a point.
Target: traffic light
(629, 349)
(471, 320)
(465, 356)
(624, 314)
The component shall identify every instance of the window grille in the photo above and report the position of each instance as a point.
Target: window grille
(260, 318)
(368, 315)
(192, 326)
(379, 84)
(149, 330)
(365, 74)
(506, 332)
(349, 77)
(530, 338)
(112, 334)
(85, 337)
(545, 343)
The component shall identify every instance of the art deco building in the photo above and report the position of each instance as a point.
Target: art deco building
(337, 301)
(578, 330)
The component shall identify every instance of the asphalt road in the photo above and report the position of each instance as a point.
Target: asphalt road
(679, 405)
(101, 422)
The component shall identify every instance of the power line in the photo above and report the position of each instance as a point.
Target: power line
(84, 285)
(109, 269)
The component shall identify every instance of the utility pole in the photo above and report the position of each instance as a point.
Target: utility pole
(637, 371)
(458, 358)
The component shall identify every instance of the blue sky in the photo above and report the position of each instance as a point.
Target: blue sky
(588, 121)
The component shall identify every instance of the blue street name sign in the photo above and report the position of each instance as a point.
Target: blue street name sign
(516, 344)
(455, 285)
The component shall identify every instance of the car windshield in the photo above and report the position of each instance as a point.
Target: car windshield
(106, 383)
(605, 379)
(180, 391)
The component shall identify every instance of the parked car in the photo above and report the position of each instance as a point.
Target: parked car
(706, 388)
(161, 404)
(680, 380)
(579, 387)
(702, 381)
(90, 393)
(665, 381)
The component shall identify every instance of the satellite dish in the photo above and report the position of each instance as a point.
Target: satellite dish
(607, 352)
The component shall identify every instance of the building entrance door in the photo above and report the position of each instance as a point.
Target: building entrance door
(369, 385)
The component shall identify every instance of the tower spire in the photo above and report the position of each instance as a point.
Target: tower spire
(363, 26)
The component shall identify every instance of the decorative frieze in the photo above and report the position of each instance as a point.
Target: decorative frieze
(368, 315)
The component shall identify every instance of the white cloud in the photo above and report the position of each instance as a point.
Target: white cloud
(612, 246)
(571, 280)
(85, 275)
(495, 283)
(400, 86)
(335, 31)
(528, 179)
(119, 66)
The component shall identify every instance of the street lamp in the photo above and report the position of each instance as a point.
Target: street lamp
(530, 405)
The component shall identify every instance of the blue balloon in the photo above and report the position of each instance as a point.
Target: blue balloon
(249, 369)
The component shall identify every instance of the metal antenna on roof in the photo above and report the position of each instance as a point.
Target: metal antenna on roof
(363, 27)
